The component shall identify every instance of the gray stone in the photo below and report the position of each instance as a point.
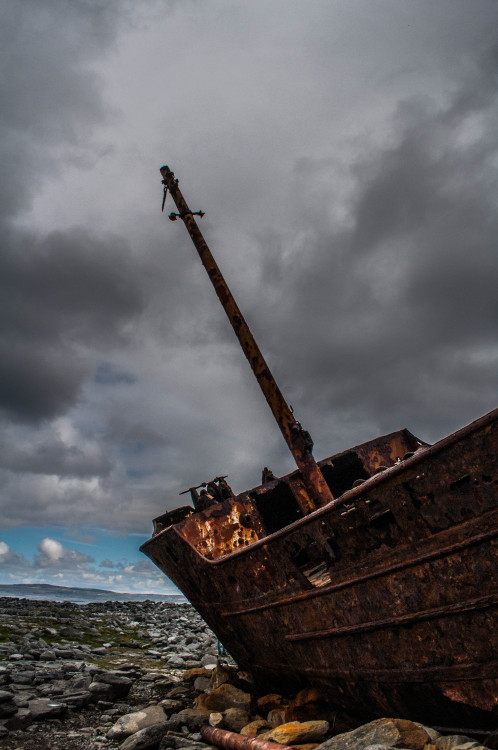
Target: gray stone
(5, 675)
(389, 732)
(8, 709)
(433, 733)
(70, 633)
(5, 696)
(209, 660)
(23, 678)
(132, 723)
(201, 684)
(101, 690)
(77, 699)
(44, 708)
(236, 718)
(48, 655)
(81, 682)
(176, 662)
(21, 719)
(450, 741)
(22, 699)
(192, 718)
(115, 677)
(38, 709)
(145, 738)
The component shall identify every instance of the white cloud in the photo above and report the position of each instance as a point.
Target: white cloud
(4, 548)
(51, 548)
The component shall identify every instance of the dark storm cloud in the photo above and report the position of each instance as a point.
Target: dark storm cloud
(49, 455)
(50, 96)
(65, 291)
(59, 294)
(108, 374)
(395, 307)
(356, 232)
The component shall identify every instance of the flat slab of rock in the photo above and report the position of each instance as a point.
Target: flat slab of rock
(37, 710)
(387, 732)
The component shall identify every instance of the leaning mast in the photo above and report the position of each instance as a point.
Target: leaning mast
(298, 440)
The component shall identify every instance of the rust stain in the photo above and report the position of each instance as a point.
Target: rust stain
(361, 574)
(376, 598)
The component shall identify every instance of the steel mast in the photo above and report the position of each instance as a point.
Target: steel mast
(298, 440)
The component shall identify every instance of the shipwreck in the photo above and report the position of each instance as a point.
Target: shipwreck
(371, 573)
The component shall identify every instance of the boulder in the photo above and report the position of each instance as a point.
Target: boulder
(121, 683)
(297, 733)
(131, 723)
(44, 708)
(388, 732)
(209, 660)
(110, 685)
(221, 675)
(225, 696)
(101, 691)
(175, 662)
(235, 719)
(201, 684)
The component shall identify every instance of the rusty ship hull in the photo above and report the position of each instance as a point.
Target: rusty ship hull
(372, 573)
(385, 598)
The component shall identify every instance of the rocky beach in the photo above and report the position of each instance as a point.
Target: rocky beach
(144, 674)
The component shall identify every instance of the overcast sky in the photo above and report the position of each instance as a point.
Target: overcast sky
(345, 153)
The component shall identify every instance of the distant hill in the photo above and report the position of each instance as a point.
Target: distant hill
(79, 595)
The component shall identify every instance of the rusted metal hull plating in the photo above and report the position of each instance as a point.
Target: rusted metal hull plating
(386, 597)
